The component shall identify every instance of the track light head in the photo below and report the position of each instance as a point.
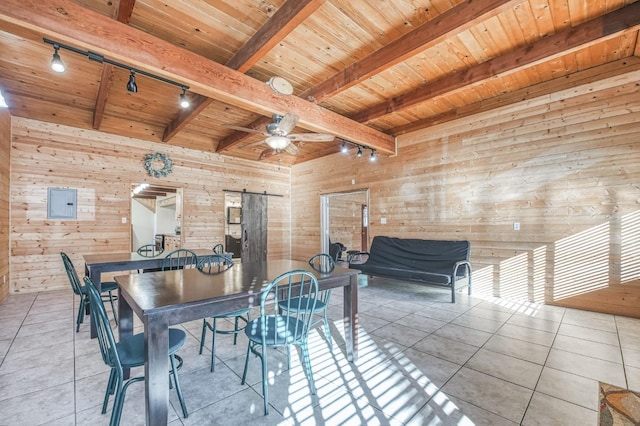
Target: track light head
(184, 101)
(131, 85)
(373, 156)
(344, 148)
(359, 153)
(56, 63)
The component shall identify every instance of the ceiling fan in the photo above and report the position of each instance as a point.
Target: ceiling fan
(278, 138)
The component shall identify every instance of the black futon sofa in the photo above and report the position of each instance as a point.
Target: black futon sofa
(434, 262)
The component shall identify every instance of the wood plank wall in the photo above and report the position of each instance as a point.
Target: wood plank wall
(102, 167)
(565, 166)
(5, 151)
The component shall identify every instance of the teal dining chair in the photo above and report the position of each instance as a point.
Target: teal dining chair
(107, 287)
(212, 265)
(128, 353)
(218, 249)
(276, 328)
(179, 259)
(149, 250)
(325, 264)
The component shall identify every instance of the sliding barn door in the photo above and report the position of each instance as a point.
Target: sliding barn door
(254, 227)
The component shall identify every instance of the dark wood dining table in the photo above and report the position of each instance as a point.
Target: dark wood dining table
(96, 264)
(163, 299)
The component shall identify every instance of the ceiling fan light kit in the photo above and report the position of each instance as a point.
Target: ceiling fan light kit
(277, 142)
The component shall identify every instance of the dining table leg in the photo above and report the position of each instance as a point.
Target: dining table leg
(156, 369)
(350, 314)
(125, 323)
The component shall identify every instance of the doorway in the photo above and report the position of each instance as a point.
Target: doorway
(344, 219)
(246, 225)
(156, 215)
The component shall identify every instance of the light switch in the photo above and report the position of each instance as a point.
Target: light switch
(383, 220)
(124, 220)
(516, 226)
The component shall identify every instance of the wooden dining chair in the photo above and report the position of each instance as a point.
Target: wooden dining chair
(107, 287)
(277, 328)
(212, 265)
(180, 259)
(128, 353)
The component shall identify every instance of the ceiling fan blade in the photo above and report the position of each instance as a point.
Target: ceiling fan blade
(291, 149)
(287, 123)
(245, 129)
(311, 137)
(267, 153)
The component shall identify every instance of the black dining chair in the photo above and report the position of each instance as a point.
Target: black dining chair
(149, 250)
(298, 290)
(128, 353)
(325, 264)
(180, 259)
(212, 265)
(107, 287)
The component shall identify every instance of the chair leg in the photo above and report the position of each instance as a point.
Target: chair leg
(113, 308)
(288, 357)
(246, 364)
(109, 391)
(265, 382)
(327, 331)
(307, 365)
(174, 372)
(235, 331)
(205, 325)
(213, 345)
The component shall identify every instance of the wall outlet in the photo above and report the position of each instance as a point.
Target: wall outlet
(124, 220)
(516, 226)
(353, 181)
(383, 220)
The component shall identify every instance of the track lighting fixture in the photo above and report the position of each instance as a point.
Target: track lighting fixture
(58, 66)
(359, 153)
(131, 85)
(184, 101)
(373, 156)
(344, 148)
(56, 63)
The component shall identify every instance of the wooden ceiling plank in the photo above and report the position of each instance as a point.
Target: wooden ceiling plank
(123, 13)
(611, 69)
(455, 20)
(285, 20)
(67, 22)
(596, 30)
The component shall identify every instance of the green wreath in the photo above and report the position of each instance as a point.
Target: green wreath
(158, 164)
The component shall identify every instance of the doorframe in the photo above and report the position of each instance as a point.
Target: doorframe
(324, 214)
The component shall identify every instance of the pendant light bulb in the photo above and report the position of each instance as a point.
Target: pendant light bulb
(56, 63)
(131, 85)
(184, 101)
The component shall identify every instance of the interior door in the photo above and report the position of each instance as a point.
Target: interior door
(254, 227)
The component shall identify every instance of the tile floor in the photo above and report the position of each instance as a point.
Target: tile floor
(423, 361)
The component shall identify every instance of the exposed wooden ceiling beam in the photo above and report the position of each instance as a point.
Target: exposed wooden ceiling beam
(122, 13)
(285, 20)
(611, 69)
(67, 22)
(455, 20)
(596, 30)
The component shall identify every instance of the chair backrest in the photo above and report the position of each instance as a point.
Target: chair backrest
(322, 262)
(218, 249)
(149, 250)
(180, 259)
(76, 285)
(106, 340)
(214, 264)
(298, 290)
